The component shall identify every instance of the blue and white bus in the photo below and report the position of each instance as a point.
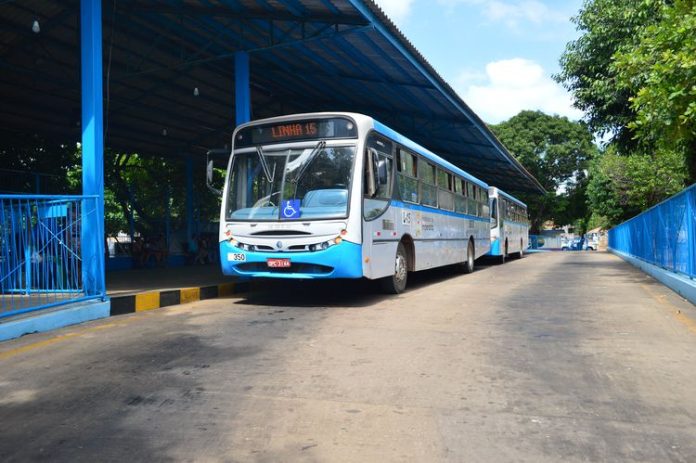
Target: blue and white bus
(509, 225)
(339, 195)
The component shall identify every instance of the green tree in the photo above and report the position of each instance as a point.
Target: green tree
(660, 73)
(633, 71)
(587, 70)
(557, 152)
(621, 187)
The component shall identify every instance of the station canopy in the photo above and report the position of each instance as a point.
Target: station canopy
(169, 76)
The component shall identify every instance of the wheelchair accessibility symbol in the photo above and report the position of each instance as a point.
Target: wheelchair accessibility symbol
(290, 209)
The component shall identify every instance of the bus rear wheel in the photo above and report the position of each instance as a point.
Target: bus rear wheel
(396, 283)
(468, 265)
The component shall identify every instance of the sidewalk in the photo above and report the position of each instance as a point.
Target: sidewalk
(125, 282)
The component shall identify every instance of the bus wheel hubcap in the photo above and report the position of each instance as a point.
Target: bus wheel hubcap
(400, 267)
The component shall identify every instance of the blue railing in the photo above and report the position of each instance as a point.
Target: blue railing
(662, 235)
(40, 252)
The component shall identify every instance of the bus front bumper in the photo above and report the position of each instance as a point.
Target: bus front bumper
(340, 261)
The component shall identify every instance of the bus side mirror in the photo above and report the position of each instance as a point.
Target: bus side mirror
(209, 172)
(382, 175)
(210, 176)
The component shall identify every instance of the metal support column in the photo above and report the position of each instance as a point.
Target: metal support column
(242, 88)
(92, 148)
(690, 239)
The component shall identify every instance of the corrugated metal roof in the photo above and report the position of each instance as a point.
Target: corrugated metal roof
(306, 56)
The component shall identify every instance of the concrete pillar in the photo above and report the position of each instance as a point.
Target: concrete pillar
(189, 198)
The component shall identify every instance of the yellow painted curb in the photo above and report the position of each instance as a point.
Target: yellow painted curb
(190, 295)
(147, 301)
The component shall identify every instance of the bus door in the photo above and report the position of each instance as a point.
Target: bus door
(379, 228)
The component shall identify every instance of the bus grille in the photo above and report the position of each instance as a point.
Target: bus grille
(312, 269)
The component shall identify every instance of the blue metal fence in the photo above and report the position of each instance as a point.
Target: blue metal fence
(663, 235)
(41, 263)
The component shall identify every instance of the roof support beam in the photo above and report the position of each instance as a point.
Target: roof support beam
(230, 55)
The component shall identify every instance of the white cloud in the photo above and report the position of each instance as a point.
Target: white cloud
(513, 12)
(510, 86)
(397, 10)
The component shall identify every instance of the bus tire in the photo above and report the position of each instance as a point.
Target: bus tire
(396, 283)
(468, 265)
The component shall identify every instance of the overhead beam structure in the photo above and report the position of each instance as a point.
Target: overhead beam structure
(286, 56)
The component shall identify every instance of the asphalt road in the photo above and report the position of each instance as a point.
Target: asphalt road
(558, 357)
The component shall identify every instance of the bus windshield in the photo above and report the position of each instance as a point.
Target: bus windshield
(288, 184)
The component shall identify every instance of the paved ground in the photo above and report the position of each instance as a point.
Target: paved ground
(557, 357)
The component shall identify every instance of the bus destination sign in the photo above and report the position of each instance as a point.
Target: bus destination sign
(336, 127)
(289, 131)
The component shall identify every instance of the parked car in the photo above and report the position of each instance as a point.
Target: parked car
(576, 244)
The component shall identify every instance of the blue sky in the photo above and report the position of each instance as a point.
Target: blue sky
(498, 54)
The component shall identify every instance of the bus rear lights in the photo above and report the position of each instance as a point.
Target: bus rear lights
(338, 240)
(344, 232)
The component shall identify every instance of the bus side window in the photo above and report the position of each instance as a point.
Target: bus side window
(407, 178)
(426, 175)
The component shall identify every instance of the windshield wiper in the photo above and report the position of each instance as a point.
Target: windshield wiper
(270, 176)
(320, 146)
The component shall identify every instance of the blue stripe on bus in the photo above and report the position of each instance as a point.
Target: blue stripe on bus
(418, 207)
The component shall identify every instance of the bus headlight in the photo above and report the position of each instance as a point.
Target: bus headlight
(325, 245)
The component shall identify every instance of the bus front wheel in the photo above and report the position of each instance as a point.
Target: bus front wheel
(396, 283)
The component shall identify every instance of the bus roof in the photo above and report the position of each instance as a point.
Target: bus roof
(413, 146)
(508, 196)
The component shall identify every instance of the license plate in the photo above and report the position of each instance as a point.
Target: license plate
(278, 263)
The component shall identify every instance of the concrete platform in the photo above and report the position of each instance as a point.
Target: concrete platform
(51, 319)
(126, 282)
(148, 289)
(128, 291)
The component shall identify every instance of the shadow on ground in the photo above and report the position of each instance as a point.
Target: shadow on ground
(341, 293)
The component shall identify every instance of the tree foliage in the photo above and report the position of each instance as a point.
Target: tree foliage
(660, 73)
(607, 26)
(621, 187)
(633, 71)
(557, 152)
